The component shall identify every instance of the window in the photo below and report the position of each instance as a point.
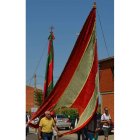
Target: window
(58, 116)
(62, 116)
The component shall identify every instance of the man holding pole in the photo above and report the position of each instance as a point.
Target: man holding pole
(45, 126)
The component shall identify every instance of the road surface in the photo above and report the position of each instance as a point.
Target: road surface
(33, 136)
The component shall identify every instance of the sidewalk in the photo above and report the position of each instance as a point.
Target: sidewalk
(33, 136)
(31, 130)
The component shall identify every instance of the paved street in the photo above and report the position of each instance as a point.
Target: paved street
(33, 136)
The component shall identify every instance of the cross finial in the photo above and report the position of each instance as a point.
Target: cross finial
(94, 6)
(51, 28)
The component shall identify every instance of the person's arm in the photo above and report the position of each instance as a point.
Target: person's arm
(105, 121)
(55, 119)
(39, 133)
(102, 120)
(57, 131)
(39, 129)
(97, 130)
(109, 117)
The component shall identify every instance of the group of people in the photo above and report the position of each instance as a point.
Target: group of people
(47, 127)
(92, 129)
(27, 122)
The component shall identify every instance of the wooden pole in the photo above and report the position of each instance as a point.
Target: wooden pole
(34, 89)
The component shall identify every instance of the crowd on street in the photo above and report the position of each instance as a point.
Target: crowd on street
(48, 129)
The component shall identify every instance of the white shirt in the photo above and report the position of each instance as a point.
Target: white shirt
(28, 117)
(105, 117)
(36, 120)
(76, 122)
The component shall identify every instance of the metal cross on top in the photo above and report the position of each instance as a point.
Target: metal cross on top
(51, 28)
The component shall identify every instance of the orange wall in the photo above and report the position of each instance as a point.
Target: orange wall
(106, 80)
(106, 84)
(108, 101)
(30, 97)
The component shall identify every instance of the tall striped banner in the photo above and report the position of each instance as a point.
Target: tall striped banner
(78, 85)
(48, 84)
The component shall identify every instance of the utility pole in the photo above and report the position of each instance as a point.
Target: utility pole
(34, 90)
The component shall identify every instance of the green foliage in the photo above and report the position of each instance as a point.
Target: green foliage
(29, 112)
(72, 112)
(38, 98)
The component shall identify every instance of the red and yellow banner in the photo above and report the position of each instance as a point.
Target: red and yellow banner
(78, 85)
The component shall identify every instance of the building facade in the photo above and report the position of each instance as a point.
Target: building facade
(106, 84)
(30, 97)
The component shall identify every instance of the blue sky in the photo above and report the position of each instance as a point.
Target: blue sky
(67, 17)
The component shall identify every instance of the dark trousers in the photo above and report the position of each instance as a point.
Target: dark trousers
(84, 134)
(26, 131)
(78, 134)
(47, 136)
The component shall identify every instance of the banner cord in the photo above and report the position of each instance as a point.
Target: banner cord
(103, 36)
(38, 62)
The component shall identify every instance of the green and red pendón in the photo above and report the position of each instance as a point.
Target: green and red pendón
(48, 84)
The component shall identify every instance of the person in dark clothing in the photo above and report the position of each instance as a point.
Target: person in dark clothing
(83, 131)
(26, 123)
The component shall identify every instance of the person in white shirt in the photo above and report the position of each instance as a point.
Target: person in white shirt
(35, 122)
(55, 120)
(28, 116)
(93, 128)
(105, 119)
(78, 132)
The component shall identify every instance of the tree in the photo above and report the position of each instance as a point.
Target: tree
(38, 98)
(71, 113)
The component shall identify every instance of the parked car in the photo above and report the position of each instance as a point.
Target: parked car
(62, 121)
(98, 122)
